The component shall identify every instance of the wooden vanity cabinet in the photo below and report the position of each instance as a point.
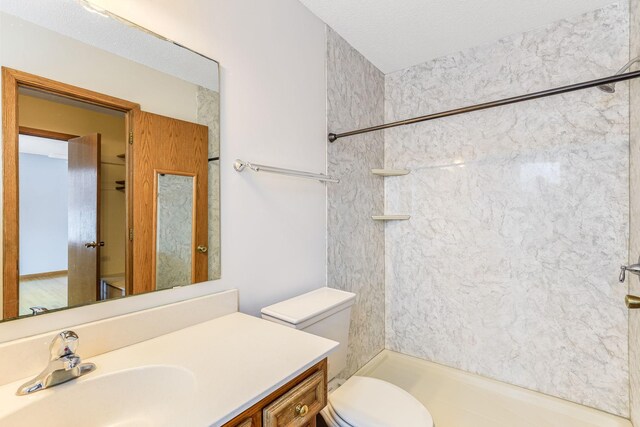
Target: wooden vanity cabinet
(295, 404)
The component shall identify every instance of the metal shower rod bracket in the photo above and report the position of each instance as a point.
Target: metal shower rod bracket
(506, 101)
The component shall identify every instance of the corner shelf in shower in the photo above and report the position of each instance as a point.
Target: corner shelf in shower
(390, 217)
(387, 173)
(390, 172)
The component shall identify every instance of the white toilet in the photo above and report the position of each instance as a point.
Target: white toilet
(360, 401)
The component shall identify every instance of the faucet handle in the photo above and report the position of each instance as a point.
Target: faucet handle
(633, 268)
(38, 309)
(64, 344)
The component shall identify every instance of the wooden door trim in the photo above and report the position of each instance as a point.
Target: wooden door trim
(68, 91)
(128, 204)
(43, 133)
(11, 80)
(10, 224)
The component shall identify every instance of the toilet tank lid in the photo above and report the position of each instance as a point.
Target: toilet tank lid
(304, 307)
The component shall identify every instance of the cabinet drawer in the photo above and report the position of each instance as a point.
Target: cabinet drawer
(298, 406)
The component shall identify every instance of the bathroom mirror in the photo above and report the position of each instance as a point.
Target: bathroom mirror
(110, 139)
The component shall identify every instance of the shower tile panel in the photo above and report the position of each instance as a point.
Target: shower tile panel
(208, 114)
(519, 215)
(355, 98)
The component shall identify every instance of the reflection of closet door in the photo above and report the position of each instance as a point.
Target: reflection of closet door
(166, 146)
(84, 219)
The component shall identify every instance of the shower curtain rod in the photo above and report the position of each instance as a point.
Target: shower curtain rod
(506, 101)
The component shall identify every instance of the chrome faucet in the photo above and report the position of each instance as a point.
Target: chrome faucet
(64, 365)
(38, 309)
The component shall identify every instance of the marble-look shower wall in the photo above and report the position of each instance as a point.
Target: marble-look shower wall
(634, 235)
(355, 98)
(508, 266)
(208, 113)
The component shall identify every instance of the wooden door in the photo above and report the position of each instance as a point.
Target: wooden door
(84, 219)
(162, 145)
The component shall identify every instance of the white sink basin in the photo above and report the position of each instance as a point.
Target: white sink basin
(158, 395)
(203, 375)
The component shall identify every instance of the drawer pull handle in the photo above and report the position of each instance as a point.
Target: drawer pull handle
(301, 410)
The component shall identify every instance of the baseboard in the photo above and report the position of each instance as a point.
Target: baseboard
(45, 275)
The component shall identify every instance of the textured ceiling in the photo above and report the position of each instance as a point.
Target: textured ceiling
(396, 34)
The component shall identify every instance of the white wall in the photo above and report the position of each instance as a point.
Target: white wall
(43, 214)
(272, 57)
(273, 90)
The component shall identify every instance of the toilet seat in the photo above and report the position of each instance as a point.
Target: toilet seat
(332, 419)
(370, 402)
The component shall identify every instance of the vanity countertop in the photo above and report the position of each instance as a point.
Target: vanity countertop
(236, 360)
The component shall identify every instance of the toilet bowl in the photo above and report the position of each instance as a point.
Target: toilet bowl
(370, 402)
(360, 401)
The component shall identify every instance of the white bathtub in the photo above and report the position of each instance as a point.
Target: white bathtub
(459, 399)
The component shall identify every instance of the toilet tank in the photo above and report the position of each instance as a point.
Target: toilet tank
(325, 312)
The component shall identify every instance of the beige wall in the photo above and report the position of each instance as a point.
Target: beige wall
(60, 58)
(48, 115)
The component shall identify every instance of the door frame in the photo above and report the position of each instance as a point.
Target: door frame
(11, 81)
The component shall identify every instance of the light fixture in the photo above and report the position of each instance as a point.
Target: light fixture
(90, 7)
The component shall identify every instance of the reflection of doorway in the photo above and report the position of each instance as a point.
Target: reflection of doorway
(163, 145)
(14, 84)
(43, 212)
(72, 203)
